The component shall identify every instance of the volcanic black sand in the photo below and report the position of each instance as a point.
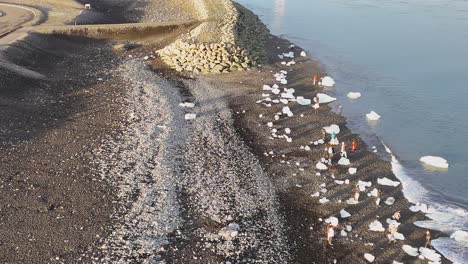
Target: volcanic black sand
(98, 164)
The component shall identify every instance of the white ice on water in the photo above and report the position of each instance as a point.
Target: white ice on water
(460, 236)
(302, 101)
(430, 254)
(373, 116)
(328, 81)
(354, 95)
(435, 161)
(325, 98)
(303, 54)
(419, 207)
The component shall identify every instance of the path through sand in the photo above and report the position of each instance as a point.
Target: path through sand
(13, 17)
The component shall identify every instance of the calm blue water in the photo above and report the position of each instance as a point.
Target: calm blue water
(409, 59)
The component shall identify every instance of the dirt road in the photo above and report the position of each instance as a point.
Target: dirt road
(13, 17)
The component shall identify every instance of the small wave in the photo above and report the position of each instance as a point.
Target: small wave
(443, 218)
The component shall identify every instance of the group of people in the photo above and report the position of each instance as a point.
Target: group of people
(330, 147)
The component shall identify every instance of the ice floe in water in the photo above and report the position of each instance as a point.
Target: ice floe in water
(354, 95)
(369, 257)
(460, 236)
(190, 116)
(344, 214)
(373, 116)
(303, 54)
(412, 251)
(386, 181)
(430, 254)
(325, 98)
(419, 207)
(435, 161)
(332, 129)
(376, 226)
(328, 81)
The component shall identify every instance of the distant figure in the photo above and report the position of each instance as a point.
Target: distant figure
(354, 145)
(392, 230)
(331, 152)
(343, 150)
(316, 104)
(396, 216)
(357, 192)
(428, 239)
(324, 134)
(315, 79)
(334, 139)
(330, 234)
(377, 199)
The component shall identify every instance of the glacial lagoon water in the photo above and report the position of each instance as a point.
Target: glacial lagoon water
(409, 59)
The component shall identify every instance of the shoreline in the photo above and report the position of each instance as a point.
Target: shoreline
(171, 186)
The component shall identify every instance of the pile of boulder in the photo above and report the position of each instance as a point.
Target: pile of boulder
(207, 57)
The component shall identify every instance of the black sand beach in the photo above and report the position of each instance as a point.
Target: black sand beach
(99, 164)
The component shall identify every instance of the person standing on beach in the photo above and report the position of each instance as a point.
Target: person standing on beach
(377, 199)
(343, 150)
(357, 192)
(315, 79)
(333, 139)
(324, 134)
(428, 239)
(330, 234)
(316, 104)
(354, 145)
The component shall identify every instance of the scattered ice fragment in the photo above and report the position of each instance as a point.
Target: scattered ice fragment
(323, 190)
(230, 231)
(369, 257)
(399, 236)
(266, 88)
(390, 201)
(363, 185)
(343, 233)
(386, 181)
(352, 171)
(349, 228)
(430, 254)
(321, 166)
(328, 81)
(435, 161)
(351, 201)
(186, 104)
(412, 251)
(303, 54)
(374, 192)
(376, 226)
(325, 98)
(332, 220)
(323, 200)
(287, 130)
(354, 95)
(419, 207)
(190, 116)
(373, 116)
(331, 129)
(317, 194)
(307, 148)
(270, 124)
(302, 101)
(344, 161)
(344, 214)
(339, 182)
(288, 55)
(396, 262)
(460, 236)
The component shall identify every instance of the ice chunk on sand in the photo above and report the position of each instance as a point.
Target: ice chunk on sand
(284, 101)
(288, 55)
(186, 104)
(344, 161)
(374, 192)
(430, 254)
(399, 236)
(323, 200)
(332, 220)
(320, 141)
(302, 101)
(419, 207)
(352, 171)
(339, 182)
(230, 231)
(266, 88)
(376, 226)
(363, 185)
(303, 54)
(287, 130)
(386, 181)
(325, 98)
(270, 124)
(317, 194)
(344, 214)
(328, 81)
(321, 166)
(392, 222)
(412, 251)
(351, 201)
(287, 95)
(354, 95)
(369, 257)
(190, 116)
(460, 236)
(435, 161)
(373, 116)
(286, 110)
(343, 233)
(396, 262)
(332, 129)
(390, 201)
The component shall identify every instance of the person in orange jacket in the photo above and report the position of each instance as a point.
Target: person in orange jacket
(354, 145)
(315, 79)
